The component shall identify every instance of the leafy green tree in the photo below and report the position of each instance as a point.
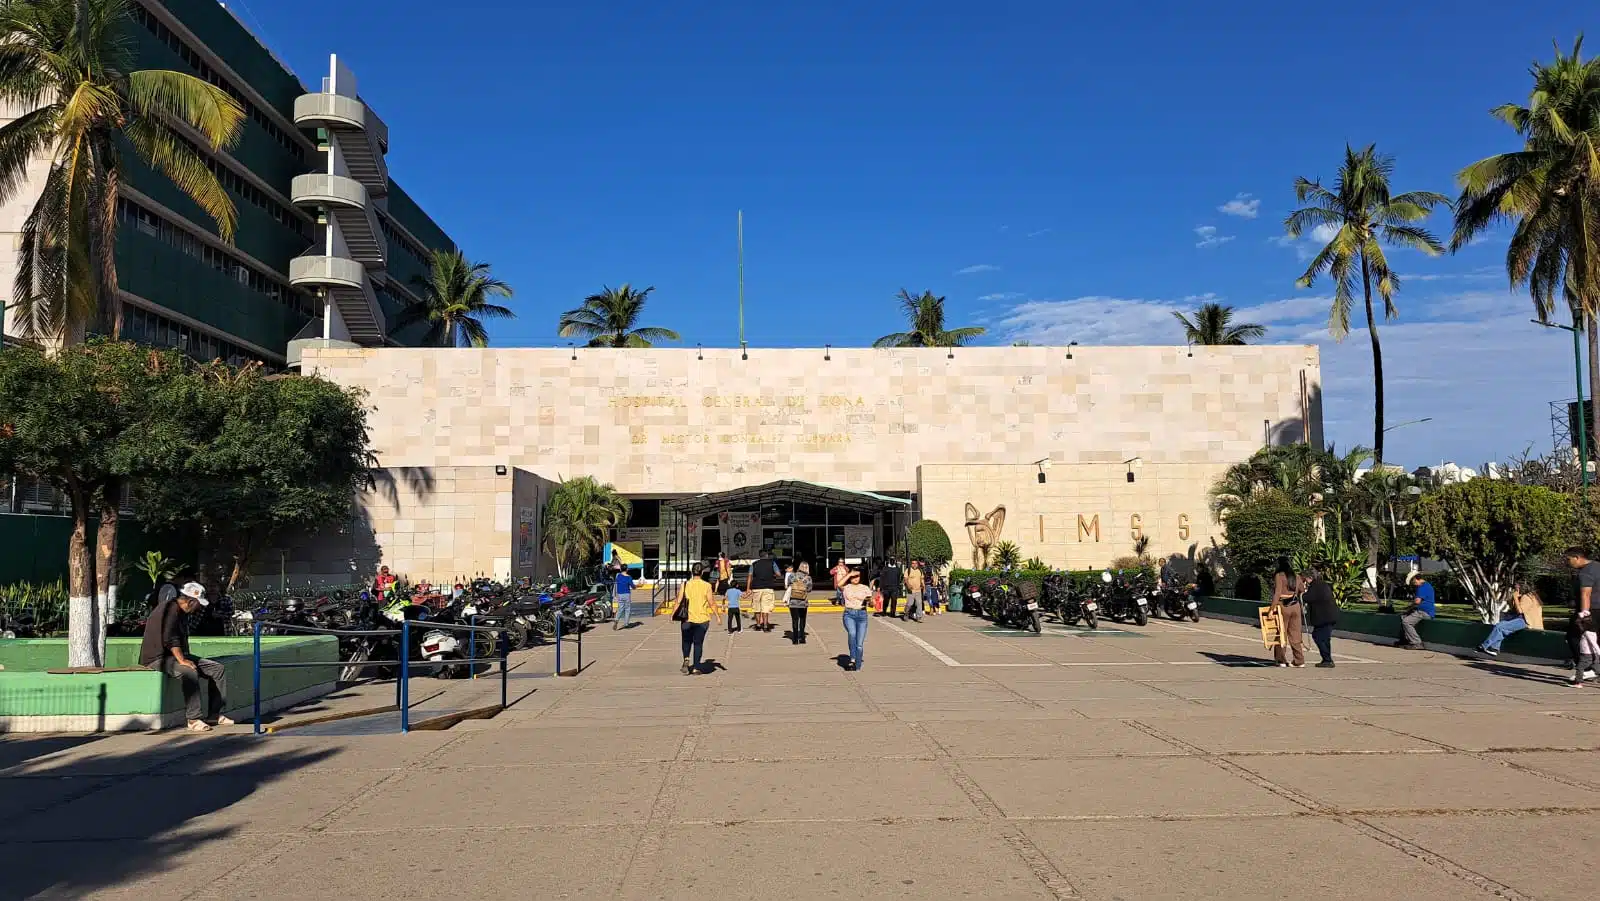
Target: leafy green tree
(925, 315)
(1550, 189)
(578, 519)
(456, 298)
(88, 419)
(1265, 528)
(611, 319)
(267, 455)
(1213, 324)
(1492, 533)
(68, 64)
(927, 540)
(1364, 216)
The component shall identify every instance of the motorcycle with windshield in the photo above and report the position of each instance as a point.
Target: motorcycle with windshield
(1125, 596)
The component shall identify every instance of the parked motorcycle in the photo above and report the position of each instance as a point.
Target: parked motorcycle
(1067, 605)
(1178, 602)
(1125, 596)
(1010, 607)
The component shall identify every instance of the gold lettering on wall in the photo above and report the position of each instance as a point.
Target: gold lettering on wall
(1183, 527)
(1088, 526)
(1136, 526)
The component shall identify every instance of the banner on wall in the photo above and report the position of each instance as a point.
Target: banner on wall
(741, 535)
(641, 534)
(858, 541)
(526, 517)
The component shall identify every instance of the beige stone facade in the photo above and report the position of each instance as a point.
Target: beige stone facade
(952, 426)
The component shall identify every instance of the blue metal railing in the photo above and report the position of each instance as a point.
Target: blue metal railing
(402, 683)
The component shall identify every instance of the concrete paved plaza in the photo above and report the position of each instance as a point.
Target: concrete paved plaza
(963, 762)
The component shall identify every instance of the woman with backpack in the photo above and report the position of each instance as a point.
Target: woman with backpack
(799, 588)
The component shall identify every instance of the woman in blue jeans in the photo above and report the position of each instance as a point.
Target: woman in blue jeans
(856, 596)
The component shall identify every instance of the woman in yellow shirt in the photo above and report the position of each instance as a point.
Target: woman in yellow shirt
(697, 592)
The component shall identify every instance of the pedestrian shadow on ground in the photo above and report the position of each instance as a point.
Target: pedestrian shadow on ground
(1234, 659)
(1515, 672)
(843, 661)
(710, 665)
(74, 820)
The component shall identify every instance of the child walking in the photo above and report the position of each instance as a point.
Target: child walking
(734, 622)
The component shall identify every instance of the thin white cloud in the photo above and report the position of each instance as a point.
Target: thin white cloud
(1041, 232)
(1245, 206)
(1288, 310)
(1209, 238)
(1308, 245)
(974, 270)
(999, 295)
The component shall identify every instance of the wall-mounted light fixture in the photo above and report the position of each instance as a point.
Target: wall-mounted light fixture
(699, 352)
(827, 351)
(744, 351)
(1132, 462)
(574, 351)
(1044, 466)
(1191, 350)
(1069, 349)
(499, 470)
(951, 353)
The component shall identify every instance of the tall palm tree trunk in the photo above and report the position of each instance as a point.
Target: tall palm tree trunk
(1374, 536)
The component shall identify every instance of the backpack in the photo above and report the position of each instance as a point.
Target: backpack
(800, 587)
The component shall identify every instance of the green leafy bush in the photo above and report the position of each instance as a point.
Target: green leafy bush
(1492, 533)
(1006, 555)
(1261, 530)
(927, 540)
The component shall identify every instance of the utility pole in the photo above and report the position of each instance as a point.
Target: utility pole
(743, 348)
(1576, 328)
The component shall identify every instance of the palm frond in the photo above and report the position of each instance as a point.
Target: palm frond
(208, 109)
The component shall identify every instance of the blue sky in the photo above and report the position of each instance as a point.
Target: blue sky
(1058, 175)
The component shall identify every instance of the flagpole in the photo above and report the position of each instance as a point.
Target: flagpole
(743, 348)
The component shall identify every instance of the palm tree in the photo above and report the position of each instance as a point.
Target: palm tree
(1213, 324)
(1550, 188)
(578, 518)
(1366, 216)
(611, 319)
(68, 63)
(926, 317)
(455, 301)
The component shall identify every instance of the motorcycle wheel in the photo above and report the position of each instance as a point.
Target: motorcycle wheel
(1038, 623)
(1195, 614)
(1090, 620)
(351, 671)
(1140, 617)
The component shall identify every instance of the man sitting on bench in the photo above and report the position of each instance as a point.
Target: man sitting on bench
(166, 648)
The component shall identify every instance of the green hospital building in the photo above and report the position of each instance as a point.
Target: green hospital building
(327, 244)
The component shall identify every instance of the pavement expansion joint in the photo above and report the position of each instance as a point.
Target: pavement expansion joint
(1037, 861)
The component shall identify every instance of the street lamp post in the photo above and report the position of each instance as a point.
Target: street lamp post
(1583, 424)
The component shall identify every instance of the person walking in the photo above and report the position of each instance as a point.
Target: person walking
(1422, 607)
(1526, 612)
(1286, 601)
(735, 623)
(1322, 611)
(915, 588)
(622, 593)
(1580, 634)
(840, 574)
(890, 583)
(762, 585)
(166, 648)
(695, 599)
(799, 591)
(724, 568)
(856, 598)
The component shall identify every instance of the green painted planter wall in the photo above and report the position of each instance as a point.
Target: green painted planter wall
(1542, 643)
(37, 693)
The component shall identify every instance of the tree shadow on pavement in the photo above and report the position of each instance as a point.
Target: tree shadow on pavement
(1516, 672)
(108, 810)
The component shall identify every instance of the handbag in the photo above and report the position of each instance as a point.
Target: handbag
(680, 613)
(877, 602)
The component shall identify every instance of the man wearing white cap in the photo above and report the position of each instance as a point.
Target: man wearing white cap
(166, 648)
